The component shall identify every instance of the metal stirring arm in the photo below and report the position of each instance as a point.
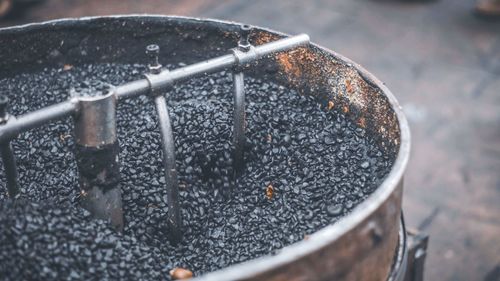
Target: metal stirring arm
(168, 148)
(155, 82)
(140, 87)
(239, 139)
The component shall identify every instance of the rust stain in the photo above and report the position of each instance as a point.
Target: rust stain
(312, 72)
(287, 65)
(264, 37)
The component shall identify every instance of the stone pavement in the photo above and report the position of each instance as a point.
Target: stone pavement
(443, 65)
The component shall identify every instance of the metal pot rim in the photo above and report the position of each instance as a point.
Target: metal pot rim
(326, 235)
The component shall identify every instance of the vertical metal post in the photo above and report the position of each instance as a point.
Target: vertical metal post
(97, 157)
(239, 105)
(9, 161)
(238, 122)
(9, 164)
(168, 148)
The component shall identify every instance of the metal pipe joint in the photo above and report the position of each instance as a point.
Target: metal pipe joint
(243, 57)
(159, 82)
(96, 155)
(95, 120)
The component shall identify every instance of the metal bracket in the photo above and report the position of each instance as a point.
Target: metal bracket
(244, 57)
(244, 54)
(410, 258)
(159, 80)
(158, 86)
(417, 252)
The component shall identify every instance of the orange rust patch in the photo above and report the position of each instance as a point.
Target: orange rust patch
(295, 62)
(310, 72)
(264, 37)
(287, 64)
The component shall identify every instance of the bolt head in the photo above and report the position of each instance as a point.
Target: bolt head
(245, 28)
(152, 49)
(244, 44)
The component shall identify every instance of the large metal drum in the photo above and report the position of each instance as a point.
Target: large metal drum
(361, 246)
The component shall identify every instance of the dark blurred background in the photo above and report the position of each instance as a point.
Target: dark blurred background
(443, 64)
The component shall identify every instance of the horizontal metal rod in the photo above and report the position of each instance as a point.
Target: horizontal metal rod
(132, 89)
(282, 45)
(36, 119)
(200, 68)
(166, 77)
(136, 88)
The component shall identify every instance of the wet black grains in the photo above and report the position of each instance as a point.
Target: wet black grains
(319, 164)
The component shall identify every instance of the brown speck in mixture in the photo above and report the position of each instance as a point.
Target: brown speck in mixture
(67, 67)
(83, 193)
(63, 137)
(270, 191)
(362, 122)
(330, 105)
(348, 86)
(180, 273)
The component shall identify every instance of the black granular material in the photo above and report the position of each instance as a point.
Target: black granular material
(306, 167)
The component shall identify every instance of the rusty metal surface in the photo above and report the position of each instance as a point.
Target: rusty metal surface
(359, 247)
(340, 85)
